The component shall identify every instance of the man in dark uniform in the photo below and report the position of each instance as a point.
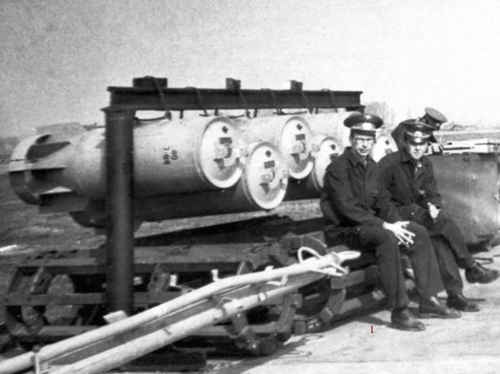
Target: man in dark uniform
(432, 118)
(359, 213)
(409, 177)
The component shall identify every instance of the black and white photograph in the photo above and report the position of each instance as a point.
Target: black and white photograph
(249, 187)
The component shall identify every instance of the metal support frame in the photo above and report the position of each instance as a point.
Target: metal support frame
(150, 93)
(145, 96)
(120, 216)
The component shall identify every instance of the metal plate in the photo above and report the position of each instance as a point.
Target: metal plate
(296, 145)
(219, 154)
(468, 184)
(265, 177)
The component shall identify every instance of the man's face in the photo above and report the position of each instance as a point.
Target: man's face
(416, 151)
(362, 144)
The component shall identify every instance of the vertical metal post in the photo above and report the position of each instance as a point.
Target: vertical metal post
(119, 225)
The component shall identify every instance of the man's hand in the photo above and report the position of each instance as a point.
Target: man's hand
(433, 210)
(404, 236)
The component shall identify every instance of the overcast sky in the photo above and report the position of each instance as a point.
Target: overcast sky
(59, 56)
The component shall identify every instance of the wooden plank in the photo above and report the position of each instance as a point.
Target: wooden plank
(366, 275)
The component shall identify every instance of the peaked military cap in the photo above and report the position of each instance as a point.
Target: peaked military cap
(433, 118)
(418, 132)
(363, 124)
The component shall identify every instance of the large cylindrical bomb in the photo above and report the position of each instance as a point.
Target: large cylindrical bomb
(262, 187)
(384, 145)
(175, 156)
(187, 155)
(331, 124)
(325, 148)
(291, 134)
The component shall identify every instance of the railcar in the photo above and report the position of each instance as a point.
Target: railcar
(255, 157)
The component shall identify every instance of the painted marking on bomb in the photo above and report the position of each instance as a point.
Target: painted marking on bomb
(169, 155)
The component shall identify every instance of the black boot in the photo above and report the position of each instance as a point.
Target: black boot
(479, 274)
(403, 319)
(460, 302)
(432, 308)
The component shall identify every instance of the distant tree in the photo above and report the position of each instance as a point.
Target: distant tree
(382, 110)
(8, 144)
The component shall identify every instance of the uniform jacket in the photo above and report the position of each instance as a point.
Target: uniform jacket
(411, 190)
(354, 195)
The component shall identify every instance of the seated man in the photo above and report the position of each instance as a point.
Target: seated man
(359, 213)
(409, 177)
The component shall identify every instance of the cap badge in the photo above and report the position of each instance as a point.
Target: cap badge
(367, 126)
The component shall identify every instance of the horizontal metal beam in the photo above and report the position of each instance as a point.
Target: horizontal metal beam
(149, 98)
(141, 299)
(95, 298)
(233, 252)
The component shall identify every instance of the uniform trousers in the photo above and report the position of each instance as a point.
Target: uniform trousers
(451, 250)
(384, 245)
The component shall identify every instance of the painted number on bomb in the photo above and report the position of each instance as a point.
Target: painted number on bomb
(169, 155)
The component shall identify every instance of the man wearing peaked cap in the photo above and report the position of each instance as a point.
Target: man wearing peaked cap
(417, 132)
(358, 212)
(432, 120)
(409, 177)
(365, 124)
